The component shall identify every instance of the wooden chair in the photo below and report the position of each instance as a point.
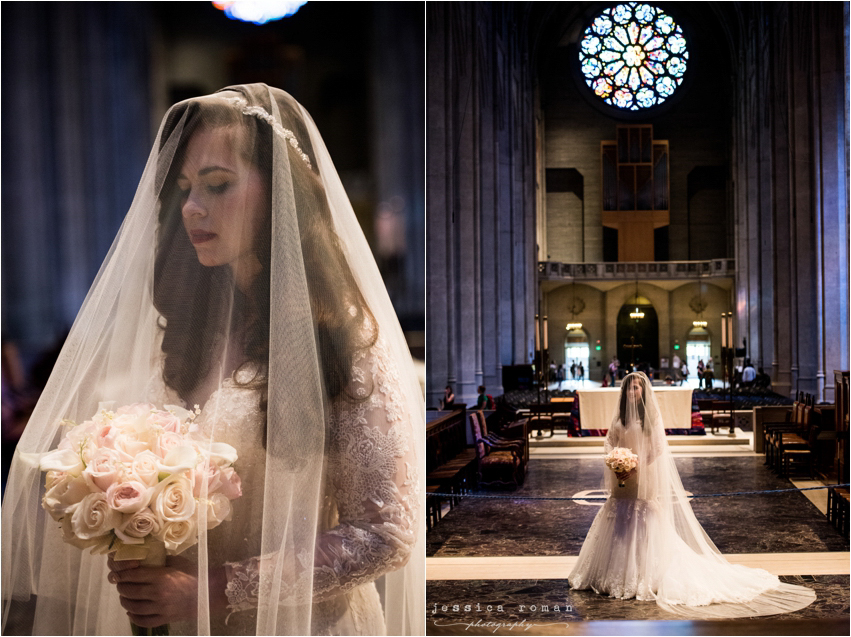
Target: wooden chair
(838, 508)
(497, 464)
(796, 437)
(519, 437)
(721, 416)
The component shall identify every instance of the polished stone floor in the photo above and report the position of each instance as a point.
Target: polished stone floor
(514, 526)
(769, 523)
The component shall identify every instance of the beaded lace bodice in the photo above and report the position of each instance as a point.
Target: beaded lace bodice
(372, 491)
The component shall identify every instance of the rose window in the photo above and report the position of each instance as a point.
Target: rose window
(633, 56)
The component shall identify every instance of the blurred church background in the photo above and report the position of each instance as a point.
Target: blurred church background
(85, 85)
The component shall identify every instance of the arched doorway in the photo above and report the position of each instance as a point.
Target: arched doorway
(644, 330)
(697, 349)
(576, 352)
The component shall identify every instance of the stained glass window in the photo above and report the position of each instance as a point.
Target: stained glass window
(633, 56)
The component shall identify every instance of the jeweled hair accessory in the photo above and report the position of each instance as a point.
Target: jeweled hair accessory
(261, 113)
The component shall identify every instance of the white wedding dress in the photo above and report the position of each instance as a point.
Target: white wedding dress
(646, 543)
(372, 494)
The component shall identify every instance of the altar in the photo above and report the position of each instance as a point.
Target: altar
(597, 406)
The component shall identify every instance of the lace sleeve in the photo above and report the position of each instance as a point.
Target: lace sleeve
(375, 487)
(611, 438)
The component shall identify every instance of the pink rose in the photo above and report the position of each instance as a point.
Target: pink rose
(128, 497)
(209, 475)
(231, 485)
(104, 470)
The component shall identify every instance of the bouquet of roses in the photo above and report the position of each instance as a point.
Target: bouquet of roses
(621, 460)
(134, 481)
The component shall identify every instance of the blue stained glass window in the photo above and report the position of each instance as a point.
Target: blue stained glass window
(633, 56)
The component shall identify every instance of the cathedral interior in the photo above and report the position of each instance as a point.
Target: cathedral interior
(586, 204)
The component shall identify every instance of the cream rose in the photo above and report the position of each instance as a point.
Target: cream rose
(104, 470)
(146, 468)
(128, 497)
(137, 526)
(64, 494)
(128, 445)
(218, 510)
(167, 441)
(136, 409)
(167, 421)
(178, 536)
(174, 501)
(93, 517)
(96, 544)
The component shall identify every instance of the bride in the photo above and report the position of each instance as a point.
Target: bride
(240, 283)
(646, 542)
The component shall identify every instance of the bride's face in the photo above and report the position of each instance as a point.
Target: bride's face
(636, 390)
(223, 198)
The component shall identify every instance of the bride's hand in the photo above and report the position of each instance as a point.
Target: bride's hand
(153, 596)
(624, 475)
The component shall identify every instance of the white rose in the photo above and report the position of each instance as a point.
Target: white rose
(64, 494)
(145, 468)
(93, 517)
(137, 526)
(178, 536)
(104, 470)
(128, 445)
(174, 501)
(218, 510)
(97, 544)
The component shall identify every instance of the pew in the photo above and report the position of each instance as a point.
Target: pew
(450, 461)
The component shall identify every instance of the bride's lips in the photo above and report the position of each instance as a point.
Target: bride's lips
(201, 236)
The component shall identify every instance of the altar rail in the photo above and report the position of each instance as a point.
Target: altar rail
(554, 270)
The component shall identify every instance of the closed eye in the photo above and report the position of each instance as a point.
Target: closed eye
(219, 189)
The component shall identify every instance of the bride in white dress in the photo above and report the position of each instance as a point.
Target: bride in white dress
(241, 282)
(646, 543)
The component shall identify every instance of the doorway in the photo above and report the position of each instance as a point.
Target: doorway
(644, 331)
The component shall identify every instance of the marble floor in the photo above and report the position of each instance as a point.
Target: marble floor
(513, 554)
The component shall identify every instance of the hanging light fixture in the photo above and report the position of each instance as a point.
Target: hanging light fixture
(637, 314)
(699, 322)
(574, 324)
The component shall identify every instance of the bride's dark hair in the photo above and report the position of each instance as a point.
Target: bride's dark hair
(201, 304)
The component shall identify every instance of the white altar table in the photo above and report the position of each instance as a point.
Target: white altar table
(597, 406)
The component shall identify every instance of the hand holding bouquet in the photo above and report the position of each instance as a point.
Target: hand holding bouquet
(621, 460)
(136, 483)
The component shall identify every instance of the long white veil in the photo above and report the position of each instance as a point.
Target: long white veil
(273, 317)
